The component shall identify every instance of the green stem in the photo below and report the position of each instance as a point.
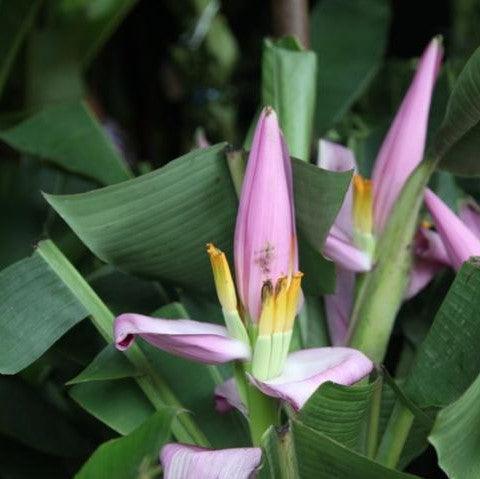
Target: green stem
(382, 290)
(374, 419)
(395, 435)
(262, 412)
(154, 387)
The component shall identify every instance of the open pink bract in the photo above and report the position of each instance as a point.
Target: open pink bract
(202, 342)
(182, 461)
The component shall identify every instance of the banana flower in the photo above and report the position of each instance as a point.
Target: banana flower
(259, 322)
(368, 203)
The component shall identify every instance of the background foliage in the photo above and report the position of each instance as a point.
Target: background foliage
(100, 94)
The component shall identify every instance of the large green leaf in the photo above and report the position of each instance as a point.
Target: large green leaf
(69, 136)
(36, 308)
(319, 457)
(16, 18)
(120, 404)
(456, 435)
(25, 415)
(130, 456)
(157, 225)
(448, 360)
(349, 38)
(339, 412)
(61, 299)
(458, 139)
(288, 85)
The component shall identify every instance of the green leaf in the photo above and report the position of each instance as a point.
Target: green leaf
(339, 412)
(30, 419)
(129, 456)
(120, 404)
(108, 364)
(349, 38)
(448, 361)
(16, 19)
(64, 293)
(319, 457)
(288, 85)
(69, 136)
(314, 189)
(157, 225)
(458, 138)
(36, 309)
(456, 435)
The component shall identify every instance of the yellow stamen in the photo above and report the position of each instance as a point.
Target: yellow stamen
(223, 278)
(426, 224)
(292, 301)
(362, 204)
(267, 316)
(281, 292)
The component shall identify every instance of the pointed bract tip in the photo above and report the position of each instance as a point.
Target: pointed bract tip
(268, 110)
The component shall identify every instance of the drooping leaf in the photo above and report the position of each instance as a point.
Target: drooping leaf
(338, 412)
(458, 138)
(456, 435)
(448, 361)
(69, 136)
(30, 419)
(349, 38)
(16, 18)
(130, 456)
(288, 85)
(120, 404)
(157, 225)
